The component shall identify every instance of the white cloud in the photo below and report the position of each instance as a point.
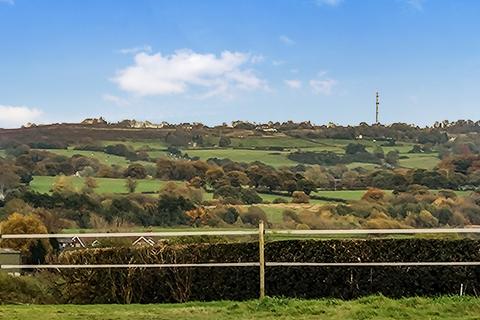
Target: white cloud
(258, 59)
(175, 74)
(16, 116)
(323, 86)
(416, 4)
(134, 50)
(286, 40)
(115, 100)
(277, 63)
(10, 2)
(332, 3)
(293, 83)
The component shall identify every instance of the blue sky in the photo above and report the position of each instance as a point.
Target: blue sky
(216, 61)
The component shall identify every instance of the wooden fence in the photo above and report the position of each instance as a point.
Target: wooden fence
(261, 263)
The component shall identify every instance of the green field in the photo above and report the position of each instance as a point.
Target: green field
(272, 141)
(2, 153)
(155, 144)
(375, 307)
(101, 156)
(341, 194)
(273, 158)
(43, 184)
(420, 161)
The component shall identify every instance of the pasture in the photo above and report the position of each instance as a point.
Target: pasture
(154, 144)
(420, 161)
(373, 307)
(244, 150)
(272, 141)
(43, 184)
(273, 158)
(103, 157)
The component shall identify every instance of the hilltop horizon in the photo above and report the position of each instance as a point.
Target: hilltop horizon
(145, 123)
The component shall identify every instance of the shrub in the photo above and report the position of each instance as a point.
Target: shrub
(374, 194)
(279, 200)
(300, 197)
(27, 289)
(253, 216)
(233, 283)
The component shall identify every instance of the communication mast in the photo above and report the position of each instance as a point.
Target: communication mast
(377, 104)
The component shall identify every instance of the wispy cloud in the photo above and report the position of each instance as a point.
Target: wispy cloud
(293, 83)
(258, 58)
(416, 4)
(286, 40)
(332, 3)
(119, 101)
(277, 63)
(323, 85)
(135, 50)
(157, 74)
(16, 116)
(9, 2)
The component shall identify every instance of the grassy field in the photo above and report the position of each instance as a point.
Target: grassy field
(272, 141)
(2, 153)
(420, 161)
(342, 194)
(101, 156)
(155, 144)
(375, 307)
(273, 158)
(43, 184)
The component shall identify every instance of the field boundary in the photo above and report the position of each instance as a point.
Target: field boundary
(261, 263)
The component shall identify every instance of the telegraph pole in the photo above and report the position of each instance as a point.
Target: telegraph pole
(377, 104)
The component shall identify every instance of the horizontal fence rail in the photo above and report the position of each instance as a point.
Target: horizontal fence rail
(130, 265)
(372, 264)
(241, 264)
(130, 234)
(241, 233)
(375, 231)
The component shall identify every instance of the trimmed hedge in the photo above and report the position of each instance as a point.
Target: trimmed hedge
(241, 283)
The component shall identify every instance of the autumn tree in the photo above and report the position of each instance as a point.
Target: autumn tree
(300, 197)
(8, 181)
(136, 171)
(131, 184)
(63, 185)
(374, 194)
(89, 185)
(224, 142)
(34, 250)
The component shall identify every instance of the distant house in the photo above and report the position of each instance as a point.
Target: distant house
(94, 121)
(143, 241)
(10, 257)
(74, 242)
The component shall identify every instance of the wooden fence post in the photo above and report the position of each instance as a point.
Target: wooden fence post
(261, 251)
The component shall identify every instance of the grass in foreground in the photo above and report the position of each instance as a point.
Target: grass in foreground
(375, 307)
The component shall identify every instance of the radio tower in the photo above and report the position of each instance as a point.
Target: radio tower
(377, 104)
